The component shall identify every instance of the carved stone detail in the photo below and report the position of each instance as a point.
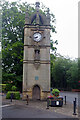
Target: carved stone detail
(36, 64)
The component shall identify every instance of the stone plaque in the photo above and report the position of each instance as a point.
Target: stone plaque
(36, 78)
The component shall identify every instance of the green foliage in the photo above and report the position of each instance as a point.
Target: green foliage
(13, 19)
(8, 77)
(0, 56)
(64, 73)
(8, 95)
(72, 76)
(2, 88)
(0, 68)
(16, 95)
(8, 87)
(52, 47)
(79, 72)
(14, 88)
(55, 92)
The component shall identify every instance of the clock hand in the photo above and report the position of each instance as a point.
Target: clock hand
(36, 37)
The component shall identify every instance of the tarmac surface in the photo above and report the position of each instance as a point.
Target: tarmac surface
(70, 96)
(35, 109)
(29, 112)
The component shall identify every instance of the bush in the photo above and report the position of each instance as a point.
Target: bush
(8, 87)
(16, 95)
(55, 92)
(14, 88)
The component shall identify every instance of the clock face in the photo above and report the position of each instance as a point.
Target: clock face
(37, 37)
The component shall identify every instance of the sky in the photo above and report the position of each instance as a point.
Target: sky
(66, 14)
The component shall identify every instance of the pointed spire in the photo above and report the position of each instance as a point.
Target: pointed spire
(27, 17)
(37, 6)
(37, 19)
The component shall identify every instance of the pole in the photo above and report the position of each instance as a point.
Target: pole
(11, 96)
(74, 107)
(65, 100)
(75, 101)
(27, 99)
(47, 103)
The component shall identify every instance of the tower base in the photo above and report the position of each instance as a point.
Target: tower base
(43, 95)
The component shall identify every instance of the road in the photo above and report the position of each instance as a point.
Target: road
(21, 110)
(70, 96)
(17, 111)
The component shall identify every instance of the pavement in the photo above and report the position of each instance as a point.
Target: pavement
(35, 109)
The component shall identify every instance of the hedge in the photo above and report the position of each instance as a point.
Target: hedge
(16, 95)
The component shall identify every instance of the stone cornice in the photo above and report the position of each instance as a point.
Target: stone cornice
(38, 61)
(46, 91)
(37, 26)
(41, 46)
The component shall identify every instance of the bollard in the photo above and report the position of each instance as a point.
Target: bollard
(65, 100)
(75, 101)
(74, 108)
(27, 99)
(11, 99)
(11, 96)
(47, 103)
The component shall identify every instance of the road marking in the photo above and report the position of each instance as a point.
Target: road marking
(5, 106)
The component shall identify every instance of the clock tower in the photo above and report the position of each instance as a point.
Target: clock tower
(36, 62)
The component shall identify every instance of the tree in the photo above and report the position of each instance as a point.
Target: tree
(72, 75)
(65, 73)
(79, 72)
(52, 59)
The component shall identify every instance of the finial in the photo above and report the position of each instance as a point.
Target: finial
(48, 10)
(37, 6)
(48, 16)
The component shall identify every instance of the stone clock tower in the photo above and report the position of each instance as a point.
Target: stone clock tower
(36, 63)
